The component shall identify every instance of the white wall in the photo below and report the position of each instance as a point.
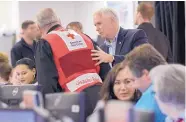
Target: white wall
(185, 25)
(67, 10)
(84, 14)
(8, 24)
(6, 13)
(28, 10)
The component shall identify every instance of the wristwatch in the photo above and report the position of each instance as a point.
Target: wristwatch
(113, 58)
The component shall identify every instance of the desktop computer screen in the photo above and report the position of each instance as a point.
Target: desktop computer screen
(12, 94)
(66, 104)
(20, 115)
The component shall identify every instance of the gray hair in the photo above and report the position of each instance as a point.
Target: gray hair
(46, 16)
(108, 11)
(170, 82)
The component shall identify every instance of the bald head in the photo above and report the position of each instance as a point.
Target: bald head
(46, 17)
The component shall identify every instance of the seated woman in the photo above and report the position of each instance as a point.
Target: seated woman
(169, 90)
(117, 85)
(24, 72)
(5, 69)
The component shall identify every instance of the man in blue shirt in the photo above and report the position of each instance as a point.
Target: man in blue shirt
(171, 99)
(138, 64)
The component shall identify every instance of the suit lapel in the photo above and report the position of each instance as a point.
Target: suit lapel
(105, 48)
(120, 40)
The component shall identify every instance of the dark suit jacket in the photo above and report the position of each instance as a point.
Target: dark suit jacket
(104, 67)
(127, 40)
(158, 40)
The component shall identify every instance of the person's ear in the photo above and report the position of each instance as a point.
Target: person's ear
(1, 79)
(42, 31)
(145, 74)
(39, 28)
(34, 71)
(136, 18)
(59, 20)
(139, 15)
(113, 21)
(22, 31)
(76, 29)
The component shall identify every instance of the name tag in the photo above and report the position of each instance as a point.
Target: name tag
(72, 40)
(83, 80)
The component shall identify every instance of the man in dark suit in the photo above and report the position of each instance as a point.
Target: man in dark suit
(144, 14)
(118, 41)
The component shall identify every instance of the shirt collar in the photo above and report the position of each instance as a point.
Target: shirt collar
(25, 44)
(53, 28)
(115, 39)
(149, 89)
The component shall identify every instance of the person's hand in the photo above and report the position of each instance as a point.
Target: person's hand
(100, 56)
(14, 79)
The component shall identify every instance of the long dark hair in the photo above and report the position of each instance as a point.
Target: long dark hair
(26, 61)
(107, 92)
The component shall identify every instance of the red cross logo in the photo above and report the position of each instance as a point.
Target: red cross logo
(71, 35)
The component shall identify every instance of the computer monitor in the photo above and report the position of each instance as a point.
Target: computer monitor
(66, 104)
(20, 115)
(12, 94)
(141, 115)
(97, 116)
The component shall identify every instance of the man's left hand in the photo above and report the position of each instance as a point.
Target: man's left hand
(100, 56)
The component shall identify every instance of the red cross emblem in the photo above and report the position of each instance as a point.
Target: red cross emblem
(71, 35)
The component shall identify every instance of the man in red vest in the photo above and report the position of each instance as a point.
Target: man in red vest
(63, 60)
